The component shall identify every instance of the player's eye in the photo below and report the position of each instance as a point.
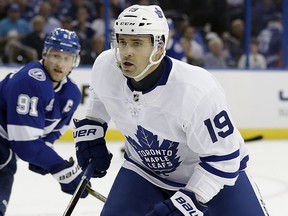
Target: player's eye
(137, 43)
(122, 43)
(68, 58)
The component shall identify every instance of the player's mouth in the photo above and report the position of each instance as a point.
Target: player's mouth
(127, 65)
(57, 71)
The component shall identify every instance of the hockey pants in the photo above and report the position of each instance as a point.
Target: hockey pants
(132, 195)
(7, 170)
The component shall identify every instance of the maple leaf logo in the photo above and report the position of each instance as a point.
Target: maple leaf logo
(160, 158)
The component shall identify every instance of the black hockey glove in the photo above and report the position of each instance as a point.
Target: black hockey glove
(91, 145)
(181, 203)
(69, 176)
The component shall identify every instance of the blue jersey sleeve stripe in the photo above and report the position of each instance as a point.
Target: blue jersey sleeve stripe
(217, 172)
(207, 167)
(243, 163)
(215, 158)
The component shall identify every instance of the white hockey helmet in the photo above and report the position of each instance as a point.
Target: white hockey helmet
(144, 20)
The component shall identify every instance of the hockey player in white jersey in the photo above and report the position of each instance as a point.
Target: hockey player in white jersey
(37, 103)
(184, 155)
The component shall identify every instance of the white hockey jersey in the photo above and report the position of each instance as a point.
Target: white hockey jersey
(179, 132)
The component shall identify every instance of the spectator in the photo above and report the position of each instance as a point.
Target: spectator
(194, 52)
(256, 60)
(75, 4)
(116, 7)
(36, 38)
(66, 22)
(174, 48)
(97, 46)
(235, 9)
(3, 9)
(234, 40)
(98, 25)
(50, 22)
(27, 11)
(13, 22)
(216, 56)
(270, 40)
(82, 27)
(57, 8)
(262, 10)
(12, 28)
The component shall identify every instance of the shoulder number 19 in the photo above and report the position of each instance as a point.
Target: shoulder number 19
(223, 126)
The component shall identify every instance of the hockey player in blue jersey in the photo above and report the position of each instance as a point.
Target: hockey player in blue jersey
(183, 153)
(37, 103)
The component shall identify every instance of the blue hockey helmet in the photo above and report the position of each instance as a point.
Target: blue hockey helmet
(64, 40)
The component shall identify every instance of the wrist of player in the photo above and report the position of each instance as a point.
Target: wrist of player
(37, 169)
(69, 176)
(183, 202)
(186, 202)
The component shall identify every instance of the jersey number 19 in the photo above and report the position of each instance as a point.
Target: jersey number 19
(222, 126)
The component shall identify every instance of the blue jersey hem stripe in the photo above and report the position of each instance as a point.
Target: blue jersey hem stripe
(165, 181)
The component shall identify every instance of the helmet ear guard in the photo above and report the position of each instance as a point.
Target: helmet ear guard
(77, 61)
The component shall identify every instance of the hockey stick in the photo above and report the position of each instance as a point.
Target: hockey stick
(81, 187)
(96, 194)
(255, 138)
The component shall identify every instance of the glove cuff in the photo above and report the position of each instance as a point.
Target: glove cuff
(88, 130)
(187, 203)
(66, 175)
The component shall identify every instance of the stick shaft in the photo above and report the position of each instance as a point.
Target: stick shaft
(96, 194)
(255, 138)
(81, 187)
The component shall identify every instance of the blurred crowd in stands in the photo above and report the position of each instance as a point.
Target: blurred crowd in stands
(208, 33)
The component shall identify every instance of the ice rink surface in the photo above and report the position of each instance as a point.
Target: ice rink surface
(36, 195)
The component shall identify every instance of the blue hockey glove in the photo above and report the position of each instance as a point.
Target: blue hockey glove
(181, 203)
(69, 176)
(91, 145)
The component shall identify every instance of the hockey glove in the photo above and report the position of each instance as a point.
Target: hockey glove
(91, 145)
(69, 176)
(181, 203)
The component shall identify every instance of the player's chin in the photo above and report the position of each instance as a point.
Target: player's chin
(57, 78)
(129, 73)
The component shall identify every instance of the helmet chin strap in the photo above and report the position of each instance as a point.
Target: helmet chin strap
(151, 63)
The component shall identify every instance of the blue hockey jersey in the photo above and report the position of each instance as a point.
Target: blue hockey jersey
(33, 113)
